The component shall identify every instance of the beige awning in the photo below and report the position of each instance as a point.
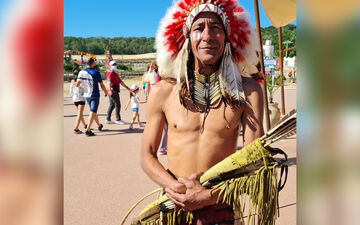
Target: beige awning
(279, 12)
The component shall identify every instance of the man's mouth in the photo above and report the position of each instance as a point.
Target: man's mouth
(208, 48)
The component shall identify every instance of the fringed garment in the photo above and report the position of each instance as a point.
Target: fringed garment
(245, 178)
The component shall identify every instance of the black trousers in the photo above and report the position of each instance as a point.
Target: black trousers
(114, 100)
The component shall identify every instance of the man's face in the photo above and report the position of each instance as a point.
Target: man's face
(207, 38)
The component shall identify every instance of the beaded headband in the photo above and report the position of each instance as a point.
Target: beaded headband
(205, 7)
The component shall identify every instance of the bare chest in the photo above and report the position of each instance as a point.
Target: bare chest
(220, 121)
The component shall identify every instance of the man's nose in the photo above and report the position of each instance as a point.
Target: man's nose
(207, 34)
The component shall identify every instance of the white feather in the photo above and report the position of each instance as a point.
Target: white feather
(230, 75)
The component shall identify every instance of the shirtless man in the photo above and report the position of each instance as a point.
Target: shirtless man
(196, 143)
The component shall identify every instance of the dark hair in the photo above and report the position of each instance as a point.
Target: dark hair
(189, 94)
(75, 73)
(148, 66)
(90, 61)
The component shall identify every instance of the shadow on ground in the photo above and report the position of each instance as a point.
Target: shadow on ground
(74, 115)
(109, 132)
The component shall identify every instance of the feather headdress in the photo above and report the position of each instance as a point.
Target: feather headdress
(173, 45)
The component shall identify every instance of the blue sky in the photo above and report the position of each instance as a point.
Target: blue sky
(119, 18)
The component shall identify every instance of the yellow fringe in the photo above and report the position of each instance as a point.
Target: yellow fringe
(259, 188)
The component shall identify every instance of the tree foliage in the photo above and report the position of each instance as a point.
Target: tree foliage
(118, 45)
(70, 66)
(288, 34)
(141, 45)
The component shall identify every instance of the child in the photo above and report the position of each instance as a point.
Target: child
(134, 98)
(79, 102)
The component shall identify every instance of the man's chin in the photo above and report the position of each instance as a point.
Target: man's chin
(209, 60)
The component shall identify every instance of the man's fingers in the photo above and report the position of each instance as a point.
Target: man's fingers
(175, 197)
(196, 176)
(174, 200)
(185, 181)
(179, 188)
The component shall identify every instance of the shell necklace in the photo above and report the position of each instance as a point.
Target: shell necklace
(207, 90)
(206, 93)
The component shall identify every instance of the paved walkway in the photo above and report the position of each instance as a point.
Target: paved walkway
(103, 178)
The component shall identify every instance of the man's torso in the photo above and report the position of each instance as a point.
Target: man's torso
(189, 151)
(115, 80)
(96, 79)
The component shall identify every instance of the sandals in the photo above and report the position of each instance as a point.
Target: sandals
(100, 127)
(77, 131)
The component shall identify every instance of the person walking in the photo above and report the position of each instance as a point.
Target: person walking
(79, 102)
(135, 101)
(151, 78)
(90, 79)
(114, 82)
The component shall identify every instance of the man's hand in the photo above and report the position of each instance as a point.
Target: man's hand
(105, 93)
(195, 197)
(177, 187)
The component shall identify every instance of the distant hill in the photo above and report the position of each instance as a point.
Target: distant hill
(142, 45)
(118, 45)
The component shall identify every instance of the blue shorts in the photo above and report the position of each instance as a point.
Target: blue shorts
(93, 103)
(135, 109)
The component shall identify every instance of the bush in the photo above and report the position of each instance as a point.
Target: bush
(123, 67)
(70, 66)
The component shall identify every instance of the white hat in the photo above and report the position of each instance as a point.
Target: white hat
(134, 87)
(112, 62)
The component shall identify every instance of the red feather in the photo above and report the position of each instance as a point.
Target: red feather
(239, 35)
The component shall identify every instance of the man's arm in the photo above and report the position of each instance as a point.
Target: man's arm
(124, 85)
(109, 85)
(103, 88)
(252, 117)
(101, 83)
(155, 120)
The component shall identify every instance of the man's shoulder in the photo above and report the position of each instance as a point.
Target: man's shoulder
(250, 85)
(163, 88)
(92, 71)
(109, 73)
(252, 90)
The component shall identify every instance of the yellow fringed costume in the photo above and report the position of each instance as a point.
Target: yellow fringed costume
(250, 172)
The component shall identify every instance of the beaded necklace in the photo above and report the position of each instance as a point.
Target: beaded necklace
(206, 93)
(207, 90)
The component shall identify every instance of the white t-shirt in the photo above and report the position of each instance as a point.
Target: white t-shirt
(77, 93)
(134, 103)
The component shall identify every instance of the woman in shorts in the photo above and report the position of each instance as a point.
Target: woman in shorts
(79, 102)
